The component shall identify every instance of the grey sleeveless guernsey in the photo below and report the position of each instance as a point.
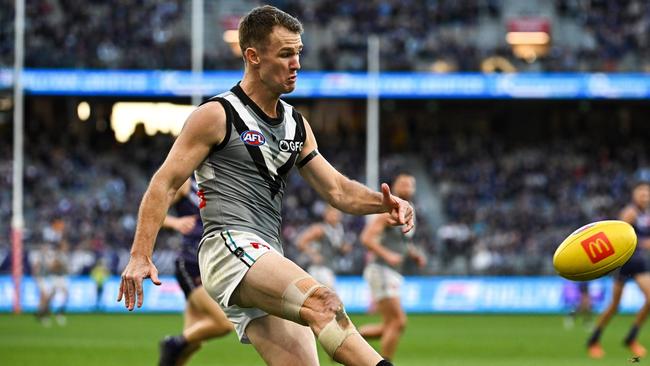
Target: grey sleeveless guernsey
(330, 243)
(242, 180)
(394, 239)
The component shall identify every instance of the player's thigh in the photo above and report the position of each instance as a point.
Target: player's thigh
(617, 291)
(266, 281)
(643, 280)
(201, 305)
(391, 310)
(282, 342)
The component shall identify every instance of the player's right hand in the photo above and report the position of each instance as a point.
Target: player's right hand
(185, 224)
(138, 268)
(393, 259)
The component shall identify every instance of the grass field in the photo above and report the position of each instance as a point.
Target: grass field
(429, 340)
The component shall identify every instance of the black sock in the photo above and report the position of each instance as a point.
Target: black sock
(180, 341)
(631, 335)
(595, 337)
(384, 363)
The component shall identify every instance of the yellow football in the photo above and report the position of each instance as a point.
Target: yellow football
(595, 250)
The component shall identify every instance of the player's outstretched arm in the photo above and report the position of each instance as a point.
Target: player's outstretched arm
(205, 127)
(346, 194)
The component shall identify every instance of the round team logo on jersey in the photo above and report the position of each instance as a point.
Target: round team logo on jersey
(253, 138)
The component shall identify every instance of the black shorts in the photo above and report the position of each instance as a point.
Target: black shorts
(636, 265)
(583, 287)
(187, 275)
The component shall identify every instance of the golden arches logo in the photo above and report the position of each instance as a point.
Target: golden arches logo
(597, 247)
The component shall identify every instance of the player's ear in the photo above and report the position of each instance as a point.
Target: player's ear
(252, 56)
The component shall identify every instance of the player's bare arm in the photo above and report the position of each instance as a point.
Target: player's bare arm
(183, 224)
(304, 243)
(370, 238)
(418, 256)
(204, 128)
(348, 195)
(629, 214)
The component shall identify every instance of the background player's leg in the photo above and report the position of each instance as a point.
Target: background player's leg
(282, 342)
(372, 331)
(394, 324)
(594, 348)
(263, 288)
(643, 280)
(204, 319)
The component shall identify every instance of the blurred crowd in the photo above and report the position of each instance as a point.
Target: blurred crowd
(508, 207)
(443, 35)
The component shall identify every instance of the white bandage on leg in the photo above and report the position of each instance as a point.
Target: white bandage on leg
(295, 295)
(336, 331)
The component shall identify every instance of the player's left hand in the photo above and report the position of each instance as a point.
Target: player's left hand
(138, 268)
(400, 211)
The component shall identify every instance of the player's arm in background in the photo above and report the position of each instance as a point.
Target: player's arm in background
(346, 194)
(417, 254)
(182, 224)
(305, 240)
(370, 238)
(628, 214)
(205, 127)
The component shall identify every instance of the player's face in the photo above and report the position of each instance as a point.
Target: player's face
(280, 60)
(404, 187)
(641, 195)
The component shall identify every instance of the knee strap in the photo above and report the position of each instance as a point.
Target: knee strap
(295, 295)
(336, 332)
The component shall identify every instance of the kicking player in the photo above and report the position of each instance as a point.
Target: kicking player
(324, 242)
(389, 247)
(637, 214)
(203, 318)
(243, 144)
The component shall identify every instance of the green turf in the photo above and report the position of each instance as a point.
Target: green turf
(429, 340)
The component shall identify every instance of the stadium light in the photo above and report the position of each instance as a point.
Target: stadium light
(83, 111)
(156, 117)
(527, 38)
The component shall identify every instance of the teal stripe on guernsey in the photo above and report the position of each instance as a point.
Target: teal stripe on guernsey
(235, 244)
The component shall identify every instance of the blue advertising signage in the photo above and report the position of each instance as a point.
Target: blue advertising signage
(412, 85)
(419, 294)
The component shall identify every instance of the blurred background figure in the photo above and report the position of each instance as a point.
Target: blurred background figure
(50, 269)
(637, 214)
(389, 247)
(324, 243)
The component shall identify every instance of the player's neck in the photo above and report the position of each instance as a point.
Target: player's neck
(259, 93)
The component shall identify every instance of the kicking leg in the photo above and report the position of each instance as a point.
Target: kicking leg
(279, 287)
(282, 342)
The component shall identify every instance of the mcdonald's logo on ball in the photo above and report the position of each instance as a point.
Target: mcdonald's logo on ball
(598, 247)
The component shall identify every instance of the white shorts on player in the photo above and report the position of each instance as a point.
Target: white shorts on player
(224, 259)
(384, 281)
(52, 284)
(323, 274)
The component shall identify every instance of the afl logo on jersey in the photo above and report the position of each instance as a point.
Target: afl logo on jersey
(253, 138)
